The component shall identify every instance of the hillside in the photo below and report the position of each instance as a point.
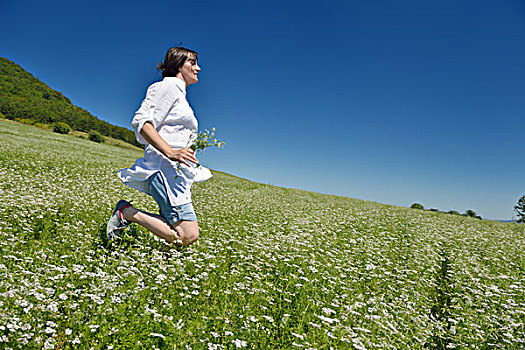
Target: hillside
(274, 268)
(24, 97)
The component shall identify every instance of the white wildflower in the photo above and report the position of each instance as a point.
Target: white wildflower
(239, 343)
(49, 343)
(49, 330)
(157, 335)
(298, 335)
(268, 318)
(328, 311)
(327, 319)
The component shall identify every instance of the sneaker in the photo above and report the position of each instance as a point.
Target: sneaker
(116, 222)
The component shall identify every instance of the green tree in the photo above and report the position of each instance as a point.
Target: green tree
(472, 214)
(95, 136)
(417, 206)
(61, 128)
(520, 209)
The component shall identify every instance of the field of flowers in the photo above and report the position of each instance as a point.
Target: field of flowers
(274, 268)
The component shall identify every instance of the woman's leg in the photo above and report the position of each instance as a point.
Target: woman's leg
(185, 231)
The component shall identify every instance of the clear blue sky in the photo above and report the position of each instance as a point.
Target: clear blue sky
(391, 101)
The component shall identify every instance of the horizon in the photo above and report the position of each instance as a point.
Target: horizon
(390, 103)
(135, 148)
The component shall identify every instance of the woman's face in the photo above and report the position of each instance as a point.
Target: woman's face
(189, 71)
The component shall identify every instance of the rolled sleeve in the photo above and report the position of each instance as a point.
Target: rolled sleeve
(154, 109)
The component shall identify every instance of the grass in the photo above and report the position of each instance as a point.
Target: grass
(83, 135)
(107, 140)
(274, 268)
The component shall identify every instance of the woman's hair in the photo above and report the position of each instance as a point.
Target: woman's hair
(174, 59)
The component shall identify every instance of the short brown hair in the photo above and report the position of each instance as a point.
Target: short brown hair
(174, 59)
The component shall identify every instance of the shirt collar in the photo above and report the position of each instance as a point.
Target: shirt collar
(180, 84)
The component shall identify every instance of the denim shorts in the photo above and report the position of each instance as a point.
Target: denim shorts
(171, 213)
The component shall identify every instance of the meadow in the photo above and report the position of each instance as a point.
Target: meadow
(274, 268)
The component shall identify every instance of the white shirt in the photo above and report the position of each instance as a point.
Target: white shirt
(166, 107)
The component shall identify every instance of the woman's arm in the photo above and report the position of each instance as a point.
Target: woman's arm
(150, 134)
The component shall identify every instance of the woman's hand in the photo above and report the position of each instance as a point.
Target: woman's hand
(182, 155)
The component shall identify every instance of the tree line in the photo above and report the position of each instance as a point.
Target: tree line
(24, 97)
(470, 213)
(519, 208)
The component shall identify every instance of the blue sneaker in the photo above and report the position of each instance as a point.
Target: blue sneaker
(116, 222)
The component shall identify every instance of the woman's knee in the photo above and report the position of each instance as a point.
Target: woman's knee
(191, 236)
(188, 232)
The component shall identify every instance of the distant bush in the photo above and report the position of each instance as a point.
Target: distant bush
(61, 128)
(25, 121)
(2, 116)
(42, 125)
(472, 214)
(417, 206)
(453, 212)
(95, 136)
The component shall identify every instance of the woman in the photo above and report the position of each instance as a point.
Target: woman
(165, 124)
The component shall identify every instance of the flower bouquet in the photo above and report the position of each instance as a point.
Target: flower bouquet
(199, 142)
(203, 140)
